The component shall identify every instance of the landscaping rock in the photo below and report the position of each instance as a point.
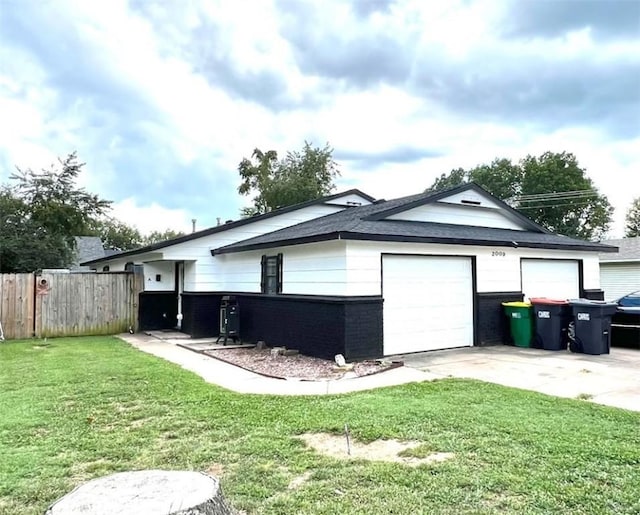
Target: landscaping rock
(340, 361)
(290, 352)
(261, 345)
(159, 492)
(277, 351)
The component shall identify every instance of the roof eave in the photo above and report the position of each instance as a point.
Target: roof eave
(232, 225)
(345, 235)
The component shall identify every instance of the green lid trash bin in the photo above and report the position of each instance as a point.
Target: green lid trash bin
(521, 322)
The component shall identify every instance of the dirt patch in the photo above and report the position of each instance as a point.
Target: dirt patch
(378, 450)
(295, 367)
(298, 481)
(215, 470)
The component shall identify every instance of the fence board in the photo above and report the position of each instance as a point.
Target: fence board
(16, 305)
(86, 304)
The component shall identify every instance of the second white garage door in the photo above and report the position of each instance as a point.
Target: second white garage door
(552, 278)
(428, 303)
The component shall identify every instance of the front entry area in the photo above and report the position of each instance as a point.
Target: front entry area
(428, 302)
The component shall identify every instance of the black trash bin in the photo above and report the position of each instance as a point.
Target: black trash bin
(551, 323)
(590, 327)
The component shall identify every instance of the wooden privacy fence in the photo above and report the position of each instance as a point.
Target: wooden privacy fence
(17, 310)
(65, 304)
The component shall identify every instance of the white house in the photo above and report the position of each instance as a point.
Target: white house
(348, 274)
(620, 272)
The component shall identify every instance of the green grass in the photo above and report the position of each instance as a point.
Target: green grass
(79, 408)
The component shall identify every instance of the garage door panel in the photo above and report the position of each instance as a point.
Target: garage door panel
(553, 278)
(428, 303)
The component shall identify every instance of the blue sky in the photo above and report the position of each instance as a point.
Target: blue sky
(163, 99)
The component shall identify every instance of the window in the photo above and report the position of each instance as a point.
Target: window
(271, 279)
(105, 268)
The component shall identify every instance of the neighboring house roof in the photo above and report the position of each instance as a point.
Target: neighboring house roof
(88, 248)
(367, 223)
(628, 250)
(231, 225)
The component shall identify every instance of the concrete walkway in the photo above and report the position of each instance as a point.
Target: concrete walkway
(611, 379)
(243, 381)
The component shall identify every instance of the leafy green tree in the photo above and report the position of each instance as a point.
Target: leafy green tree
(302, 175)
(158, 236)
(117, 235)
(551, 189)
(55, 203)
(24, 245)
(582, 212)
(632, 220)
(41, 213)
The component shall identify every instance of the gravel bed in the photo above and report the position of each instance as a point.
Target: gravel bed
(294, 367)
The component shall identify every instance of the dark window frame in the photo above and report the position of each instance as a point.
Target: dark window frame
(271, 268)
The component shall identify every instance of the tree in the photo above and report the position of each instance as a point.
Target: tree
(55, 203)
(632, 220)
(41, 213)
(302, 175)
(117, 235)
(24, 245)
(552, 190)
(158, 236)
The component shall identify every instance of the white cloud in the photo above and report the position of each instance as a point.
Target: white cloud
(152, 217)
(164, 137)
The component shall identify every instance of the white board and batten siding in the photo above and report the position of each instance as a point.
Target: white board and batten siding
(310, 269)
(464, 208)
(619, 279)
(497, 268)
(201, 272)
(458, 214)
(428, 302)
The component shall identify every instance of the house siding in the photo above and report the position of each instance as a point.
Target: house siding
(495, 272)
(445, 212)
(166, 271)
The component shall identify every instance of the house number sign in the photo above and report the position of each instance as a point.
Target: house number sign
(498, 253)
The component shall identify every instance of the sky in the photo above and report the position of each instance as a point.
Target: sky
(163, 99)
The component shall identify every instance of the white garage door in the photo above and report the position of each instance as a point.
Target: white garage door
(428, 303)
(552, 278)
(619, 279)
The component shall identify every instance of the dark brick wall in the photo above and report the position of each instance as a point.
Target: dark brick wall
(593, 294)
(363, 329)
(157, 310)
(492, 325)
(314, 325)
(201, 314)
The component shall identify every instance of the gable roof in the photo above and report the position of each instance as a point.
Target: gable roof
(434, 196)
(230, 225)
(628, 250)
(369, 223)
(87, 248)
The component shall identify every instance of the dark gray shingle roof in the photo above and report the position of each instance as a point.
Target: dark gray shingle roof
(356, 223)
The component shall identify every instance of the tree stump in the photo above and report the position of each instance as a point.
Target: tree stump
(162, 492)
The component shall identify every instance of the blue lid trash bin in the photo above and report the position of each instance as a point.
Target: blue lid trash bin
(551, 320)
(590, 328)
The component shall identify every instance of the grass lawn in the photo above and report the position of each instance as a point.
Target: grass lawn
(78, 408)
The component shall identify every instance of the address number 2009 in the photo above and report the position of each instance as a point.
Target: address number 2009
(500, 253)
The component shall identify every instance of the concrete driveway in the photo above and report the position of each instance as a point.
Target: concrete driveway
(612, 379)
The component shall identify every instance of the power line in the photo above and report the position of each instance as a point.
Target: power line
(554, 195)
